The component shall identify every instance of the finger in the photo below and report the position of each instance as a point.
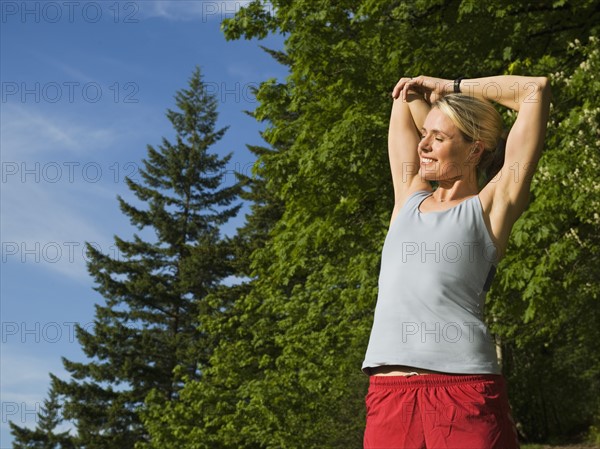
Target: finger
(407, 86)
(399, 86)
(396, 90)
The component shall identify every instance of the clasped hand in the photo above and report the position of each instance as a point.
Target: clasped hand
(431, 88)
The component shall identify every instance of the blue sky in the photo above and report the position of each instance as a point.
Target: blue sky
(85, 87)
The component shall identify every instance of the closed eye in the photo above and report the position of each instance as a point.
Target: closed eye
(438, 135)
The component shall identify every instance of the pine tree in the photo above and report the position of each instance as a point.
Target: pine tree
(289, 376)
(203, 402)
(155, 291)
(44, 436)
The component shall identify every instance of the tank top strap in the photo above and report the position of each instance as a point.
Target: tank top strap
(415, 199)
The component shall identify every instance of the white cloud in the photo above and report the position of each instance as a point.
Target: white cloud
(22, 373)
(56, 193)
(49, 229)
(185, 10)
(27, 132)
(73, 72)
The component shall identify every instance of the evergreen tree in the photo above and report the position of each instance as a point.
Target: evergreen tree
(203, 401)
(44, 435)
(148, 337)
(288, 373)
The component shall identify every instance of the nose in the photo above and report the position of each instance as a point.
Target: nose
(424, 144)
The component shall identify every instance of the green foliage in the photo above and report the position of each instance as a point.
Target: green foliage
(147, 337)
(44, 436)
(285, 372)
(179, 360)
(547, 304)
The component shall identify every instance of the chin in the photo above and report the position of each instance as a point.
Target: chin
(428, 176)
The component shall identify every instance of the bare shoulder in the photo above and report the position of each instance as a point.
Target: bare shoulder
(500, 212)
(411, 188)
(506, 196)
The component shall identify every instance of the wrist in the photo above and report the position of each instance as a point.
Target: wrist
(456, 85)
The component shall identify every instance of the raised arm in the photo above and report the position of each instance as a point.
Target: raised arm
(408, 114)
(530, 97)
(506, 196)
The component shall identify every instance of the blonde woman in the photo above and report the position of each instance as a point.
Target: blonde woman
(435, 381)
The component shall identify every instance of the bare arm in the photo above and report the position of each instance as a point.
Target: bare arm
(506, 196)
(408, 114)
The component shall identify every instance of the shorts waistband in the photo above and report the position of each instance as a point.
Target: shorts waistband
(432, 380)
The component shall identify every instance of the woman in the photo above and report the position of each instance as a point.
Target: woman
(435, 379)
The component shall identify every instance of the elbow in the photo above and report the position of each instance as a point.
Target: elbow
(542, 82)
(543, 87)
(537, 94)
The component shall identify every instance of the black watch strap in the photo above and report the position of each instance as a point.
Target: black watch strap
(457, 84)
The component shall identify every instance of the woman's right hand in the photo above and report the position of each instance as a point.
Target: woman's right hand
(431, 88)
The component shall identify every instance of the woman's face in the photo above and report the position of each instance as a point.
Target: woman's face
(443, 151)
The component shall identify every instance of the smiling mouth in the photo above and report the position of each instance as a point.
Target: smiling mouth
(426, 160)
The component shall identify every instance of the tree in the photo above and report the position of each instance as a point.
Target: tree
(288, 374)
(549, 326)
(156, 291)
(44, 436)
(203, 402)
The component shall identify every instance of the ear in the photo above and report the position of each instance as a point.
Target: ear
(476, 151)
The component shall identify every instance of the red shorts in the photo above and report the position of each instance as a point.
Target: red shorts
(439, 411)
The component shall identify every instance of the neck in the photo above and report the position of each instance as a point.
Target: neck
(456, 189)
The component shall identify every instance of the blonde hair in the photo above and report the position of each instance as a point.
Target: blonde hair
(477, 120)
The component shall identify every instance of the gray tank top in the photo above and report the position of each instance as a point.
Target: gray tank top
(436, 268)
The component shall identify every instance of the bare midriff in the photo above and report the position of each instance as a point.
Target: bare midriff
(399, 370)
